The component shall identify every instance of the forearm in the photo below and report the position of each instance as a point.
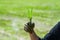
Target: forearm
(33, 36)
(29, 27)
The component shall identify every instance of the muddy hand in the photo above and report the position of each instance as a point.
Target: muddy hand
(29, 27)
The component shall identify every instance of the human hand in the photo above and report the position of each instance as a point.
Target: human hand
(29, 27)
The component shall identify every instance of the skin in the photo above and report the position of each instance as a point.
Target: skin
(33, 36)
(29, 27)
(54, 34)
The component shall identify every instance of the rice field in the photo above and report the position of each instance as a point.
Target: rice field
(15, 13)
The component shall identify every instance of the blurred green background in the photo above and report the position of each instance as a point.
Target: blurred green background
(15, 13)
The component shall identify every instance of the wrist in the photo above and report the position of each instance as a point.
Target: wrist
(31, 32)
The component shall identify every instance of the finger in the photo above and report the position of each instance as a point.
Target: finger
(27, 25)
(27, 29)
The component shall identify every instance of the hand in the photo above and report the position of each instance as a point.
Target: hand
(29, 27)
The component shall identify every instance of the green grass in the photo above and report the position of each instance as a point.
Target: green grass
(14, 14)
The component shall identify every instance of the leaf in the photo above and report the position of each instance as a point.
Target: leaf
(30, 13)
